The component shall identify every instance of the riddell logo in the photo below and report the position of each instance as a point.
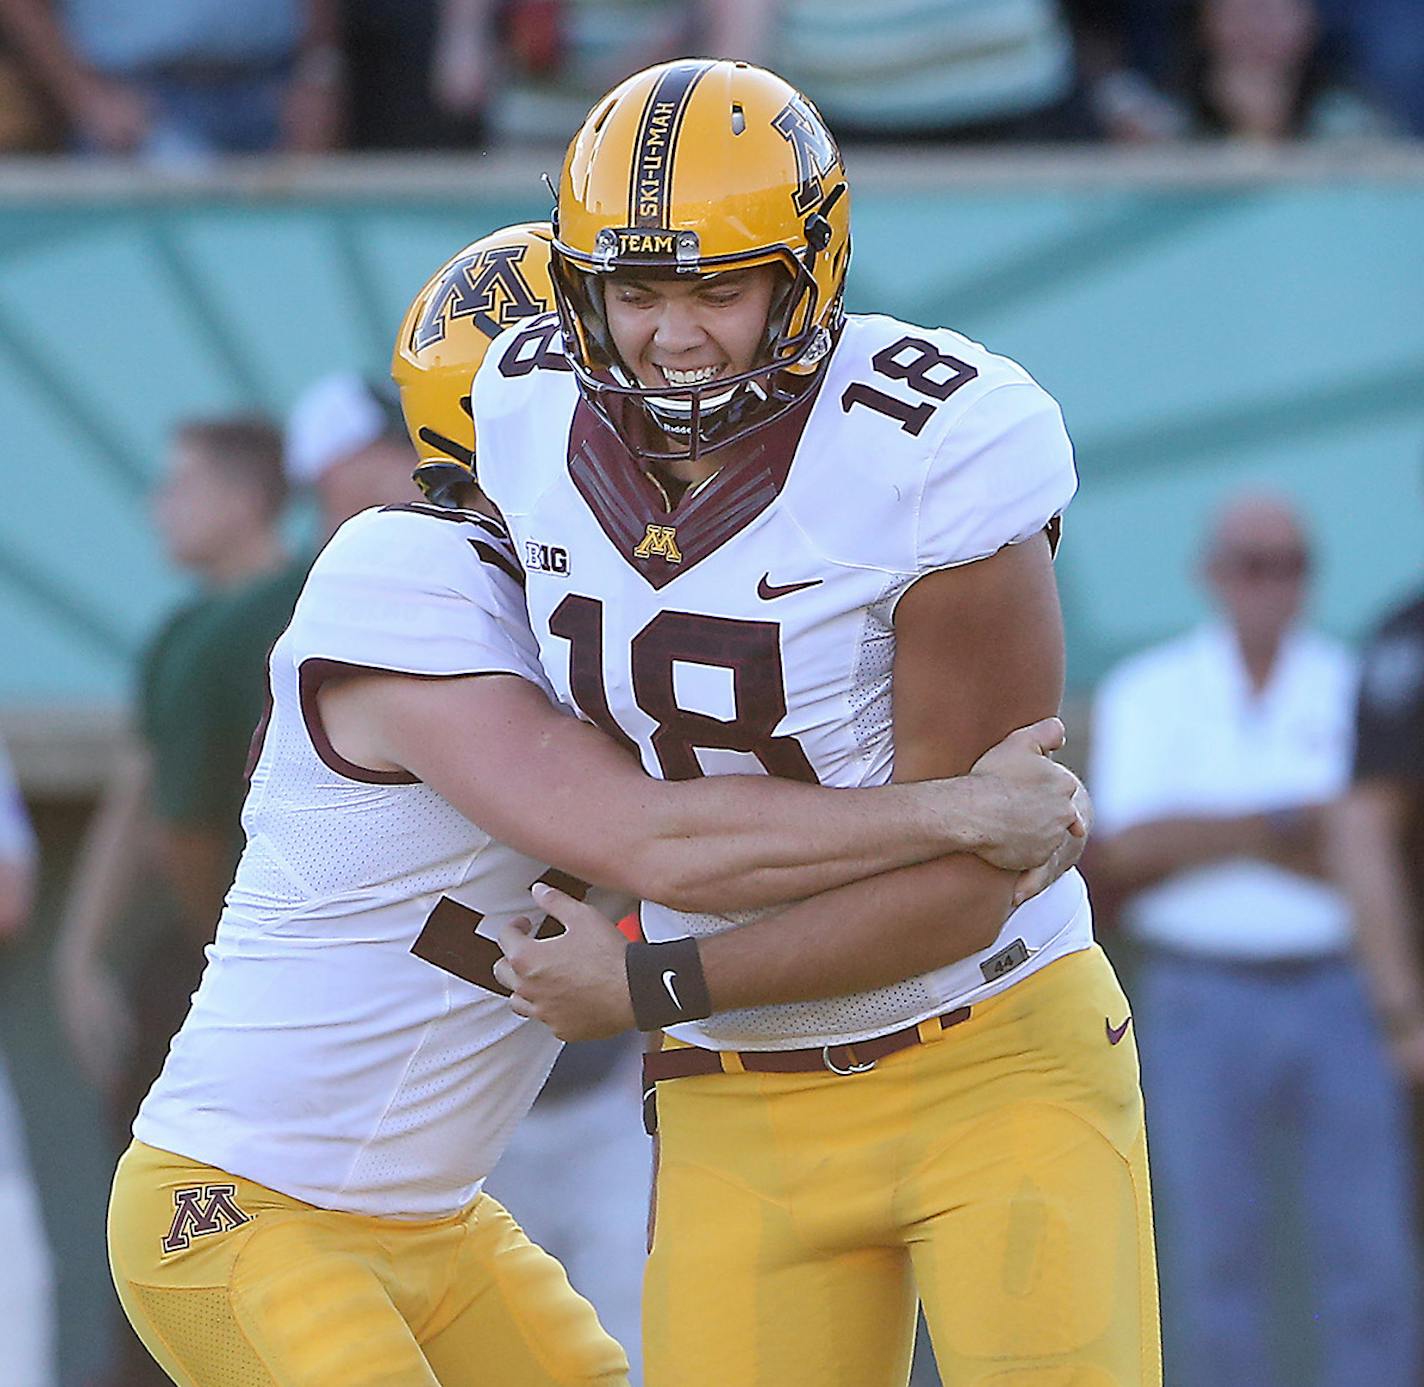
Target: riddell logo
(200, 1210)
(546, 558)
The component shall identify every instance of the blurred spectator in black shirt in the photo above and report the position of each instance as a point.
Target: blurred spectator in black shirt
(1129, 52)
(1382, 42)
(421, 71)
(1261, 70)
(1380, 838)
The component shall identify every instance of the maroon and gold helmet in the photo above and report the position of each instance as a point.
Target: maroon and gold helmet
(690, 168)
(444, 336)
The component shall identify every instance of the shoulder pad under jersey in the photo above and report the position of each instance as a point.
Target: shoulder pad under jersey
(419, 590)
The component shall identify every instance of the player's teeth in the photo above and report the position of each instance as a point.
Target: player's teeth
(689, 377)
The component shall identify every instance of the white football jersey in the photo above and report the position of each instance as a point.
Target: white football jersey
(750, 629)
(336, 1049)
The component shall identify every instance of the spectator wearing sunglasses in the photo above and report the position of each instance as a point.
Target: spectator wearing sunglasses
(1214, 759)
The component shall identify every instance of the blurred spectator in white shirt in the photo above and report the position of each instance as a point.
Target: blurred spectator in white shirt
(1213, 761)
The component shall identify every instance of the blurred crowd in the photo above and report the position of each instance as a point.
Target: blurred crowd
(178, 82)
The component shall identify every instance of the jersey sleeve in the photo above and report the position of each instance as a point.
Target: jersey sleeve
(416, 590)
(1389, 720)
(1002, 472)
(522, 399)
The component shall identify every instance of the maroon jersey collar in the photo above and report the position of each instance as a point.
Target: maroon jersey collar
(632, 510)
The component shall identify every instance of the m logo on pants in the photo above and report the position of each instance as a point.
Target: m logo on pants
(199, 1210)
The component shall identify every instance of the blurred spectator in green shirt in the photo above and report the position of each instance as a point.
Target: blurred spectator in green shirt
(168, 819)
(172, 800)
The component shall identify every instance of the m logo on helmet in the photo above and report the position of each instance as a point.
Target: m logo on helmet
(202, 1209)
(489, 287)
(660, 540)
(816, 152)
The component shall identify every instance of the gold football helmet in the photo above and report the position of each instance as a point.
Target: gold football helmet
(447, 329)
(690, 168)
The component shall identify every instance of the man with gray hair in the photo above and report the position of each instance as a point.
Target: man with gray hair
(1214, 758)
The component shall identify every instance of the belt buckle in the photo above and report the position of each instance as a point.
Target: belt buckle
(836, 1069)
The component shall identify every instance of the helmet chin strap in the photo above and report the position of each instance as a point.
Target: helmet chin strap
(685, 420)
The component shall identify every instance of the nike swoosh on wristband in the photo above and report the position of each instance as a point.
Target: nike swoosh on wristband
(768, 591)
(1116, 1033)
(670, 977)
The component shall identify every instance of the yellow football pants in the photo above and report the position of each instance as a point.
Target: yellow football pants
(997, 1173)
(229, 1284)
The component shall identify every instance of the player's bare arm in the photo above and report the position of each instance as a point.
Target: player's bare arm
(979, 650)
(561, 791)
(1001, 619)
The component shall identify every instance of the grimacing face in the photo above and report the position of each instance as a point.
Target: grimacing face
(682, 332)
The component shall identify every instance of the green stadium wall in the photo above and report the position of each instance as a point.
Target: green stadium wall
(1203, 329)
(1207, 322)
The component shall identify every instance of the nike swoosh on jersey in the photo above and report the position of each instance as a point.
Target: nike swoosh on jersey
(768, 591)
(1116, 1033)
(669, 977)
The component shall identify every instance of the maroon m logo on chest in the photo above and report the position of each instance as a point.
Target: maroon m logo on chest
(202, 1209)
(632, 512)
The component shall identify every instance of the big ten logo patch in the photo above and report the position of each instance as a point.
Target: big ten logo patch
(202, 1209)
(546, 558)
(660, 540)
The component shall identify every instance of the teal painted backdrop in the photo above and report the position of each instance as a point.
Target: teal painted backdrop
(1203, 329)
(1199, 336)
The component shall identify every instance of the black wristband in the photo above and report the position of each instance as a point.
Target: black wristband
(665, 984)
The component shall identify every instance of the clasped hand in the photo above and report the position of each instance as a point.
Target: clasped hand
(1031, 816)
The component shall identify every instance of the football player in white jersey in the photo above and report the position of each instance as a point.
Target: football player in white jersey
(819, 546)
(301, 1206)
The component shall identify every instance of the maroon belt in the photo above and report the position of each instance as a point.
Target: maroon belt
(685, 1061)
